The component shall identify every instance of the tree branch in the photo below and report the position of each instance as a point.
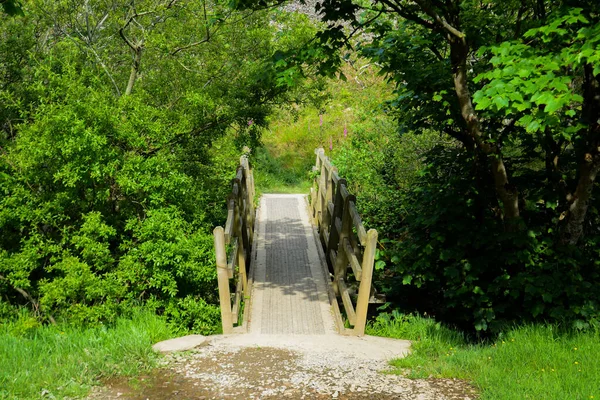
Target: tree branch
(28, 297)
(363, 25)
(206, 38)
(177, 50)
(439, 20)
(131, 19)
(436, 52)
(407, 14)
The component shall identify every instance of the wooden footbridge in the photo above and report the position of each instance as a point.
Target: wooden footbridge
(296, 265)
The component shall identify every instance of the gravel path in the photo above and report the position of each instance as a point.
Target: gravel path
(305, 368)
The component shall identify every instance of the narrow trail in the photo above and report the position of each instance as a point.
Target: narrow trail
(291, 350)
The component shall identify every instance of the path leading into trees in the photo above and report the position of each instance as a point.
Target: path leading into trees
(291, 349)
(289, 290)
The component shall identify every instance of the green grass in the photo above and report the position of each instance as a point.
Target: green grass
(526, 362)
(64, 361)
(272, 176)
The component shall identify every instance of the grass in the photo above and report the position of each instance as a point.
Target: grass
(284, 162)
(65, 362)
(273, 176)
(526, 362)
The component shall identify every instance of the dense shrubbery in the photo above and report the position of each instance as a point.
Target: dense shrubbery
(120, 123)
(485, 194)
(465, 268)
(445, 252)
(120, 131)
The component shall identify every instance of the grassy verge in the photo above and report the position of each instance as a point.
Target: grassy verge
(527, 362)
(63, 361)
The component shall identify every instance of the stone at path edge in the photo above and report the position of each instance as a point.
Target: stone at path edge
(179, 344)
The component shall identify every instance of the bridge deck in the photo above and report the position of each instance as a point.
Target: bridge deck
(289, 293)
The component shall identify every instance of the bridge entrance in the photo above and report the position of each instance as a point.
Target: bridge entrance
(273, 266)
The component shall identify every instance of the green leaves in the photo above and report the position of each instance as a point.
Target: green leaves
(534, 82)
(12, 7)
(107, 201)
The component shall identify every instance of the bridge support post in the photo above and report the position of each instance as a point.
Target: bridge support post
(223, 280)
(364, 290)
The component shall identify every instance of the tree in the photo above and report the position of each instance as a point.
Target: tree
(503, 222)
(108, 201)
(12, 7)
(430, 49)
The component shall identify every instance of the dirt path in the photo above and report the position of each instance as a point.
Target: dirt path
(283, 369)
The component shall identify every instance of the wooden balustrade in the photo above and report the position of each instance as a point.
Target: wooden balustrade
(347, 245)
(237, 235)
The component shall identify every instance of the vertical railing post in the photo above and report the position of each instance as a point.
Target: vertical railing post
(318, 152)
(241, 254)
(364, 290)
(317, 200)
(223, 280)
(341, 261)
(321, 194)
(338, 207)
(249, 197)
(241, 213)
(326, 216)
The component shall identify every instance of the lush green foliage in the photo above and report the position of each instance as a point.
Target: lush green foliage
(64, 361)
(336, 114)
(12, 7)
(121, 127)
(446, 252)
(528, 362)
(492, 214)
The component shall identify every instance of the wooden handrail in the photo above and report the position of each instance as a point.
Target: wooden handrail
(347, 245)
(238, 233)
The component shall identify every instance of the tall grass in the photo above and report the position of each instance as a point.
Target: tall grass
(65, 361)
(273, 176)
(284, 163)
(526, 362)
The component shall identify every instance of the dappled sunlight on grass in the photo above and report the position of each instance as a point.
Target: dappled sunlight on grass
(284, 164)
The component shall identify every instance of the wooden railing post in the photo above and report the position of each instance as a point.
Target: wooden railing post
(223, 280)
(364, 290)
(338, 208)
(318, 189)
(241, 249)
(248, 196)
(341, 260)
(327, 213)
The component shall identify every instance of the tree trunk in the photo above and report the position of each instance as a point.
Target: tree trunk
(135, 69)
(572, 229)
(506, 193)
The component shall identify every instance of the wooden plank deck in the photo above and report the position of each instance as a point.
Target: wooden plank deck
(289, 292)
